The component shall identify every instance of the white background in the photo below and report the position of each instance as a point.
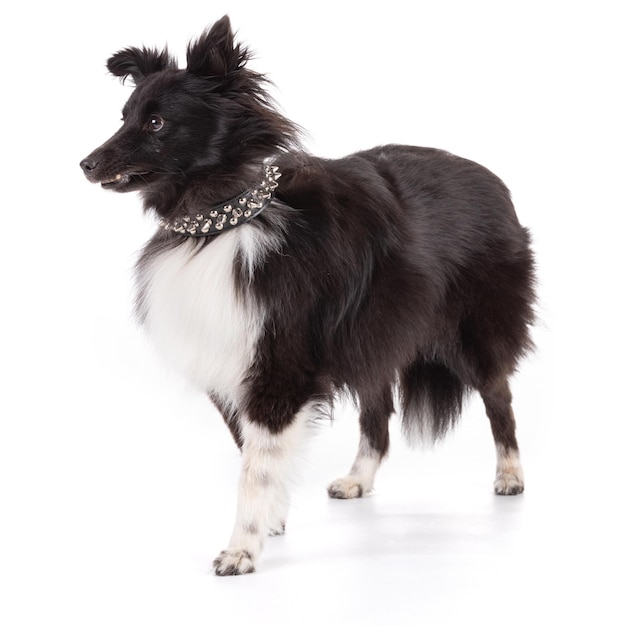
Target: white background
(117, 482)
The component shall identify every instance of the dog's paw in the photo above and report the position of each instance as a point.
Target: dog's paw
(346, 488)
(277, 529)
(233, 563)
(508, 484)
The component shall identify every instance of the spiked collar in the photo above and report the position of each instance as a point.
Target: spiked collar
(229, 214)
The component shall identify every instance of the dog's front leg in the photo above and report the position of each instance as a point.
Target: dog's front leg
(263, 492)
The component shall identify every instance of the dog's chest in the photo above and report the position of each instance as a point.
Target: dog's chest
(195, 315)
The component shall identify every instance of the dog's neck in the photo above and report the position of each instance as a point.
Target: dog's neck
(228, 214)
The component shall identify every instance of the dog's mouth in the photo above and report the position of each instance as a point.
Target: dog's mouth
(124, 180)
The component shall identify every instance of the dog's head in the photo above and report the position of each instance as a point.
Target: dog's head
(181, 124)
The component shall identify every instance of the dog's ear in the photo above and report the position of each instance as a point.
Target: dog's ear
(214, 54)
(139, 63)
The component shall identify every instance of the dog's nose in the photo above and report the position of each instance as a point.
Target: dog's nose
(88, 165)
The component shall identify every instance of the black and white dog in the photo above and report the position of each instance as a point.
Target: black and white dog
(276, 279)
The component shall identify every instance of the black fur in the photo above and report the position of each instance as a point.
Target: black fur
(400, 266)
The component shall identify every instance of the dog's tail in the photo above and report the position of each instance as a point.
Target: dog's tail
(431, 399)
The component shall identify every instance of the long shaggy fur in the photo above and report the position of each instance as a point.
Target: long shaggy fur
(397, 269)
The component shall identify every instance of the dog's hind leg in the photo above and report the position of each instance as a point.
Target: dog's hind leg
(263, 496)
(509, 475)
(373, 446)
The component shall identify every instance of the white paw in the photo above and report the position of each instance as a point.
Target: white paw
(233, 563)
(346, 488)
(508, 484)
(277, 529)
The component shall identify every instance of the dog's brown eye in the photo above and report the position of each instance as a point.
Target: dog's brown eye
(155, 123)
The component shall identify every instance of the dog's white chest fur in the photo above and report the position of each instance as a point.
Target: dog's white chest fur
(195, 316)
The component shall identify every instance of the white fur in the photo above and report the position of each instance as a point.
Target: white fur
(194, 316)
(206, 328)
(263, 498)
(509, 474)
(360, 480)
(255, 244)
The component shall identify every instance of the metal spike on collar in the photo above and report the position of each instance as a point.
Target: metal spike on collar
(230, 214)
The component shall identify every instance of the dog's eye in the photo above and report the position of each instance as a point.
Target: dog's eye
(155, 123)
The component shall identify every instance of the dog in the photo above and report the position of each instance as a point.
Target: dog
(275, 279)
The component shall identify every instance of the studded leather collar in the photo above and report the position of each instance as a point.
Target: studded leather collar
(229, 214)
